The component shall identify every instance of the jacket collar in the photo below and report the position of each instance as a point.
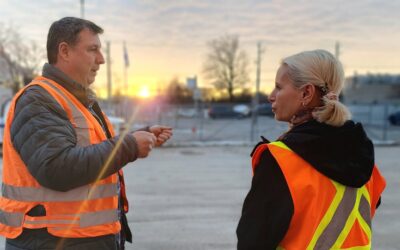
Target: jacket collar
(344, 154)
(85, 95)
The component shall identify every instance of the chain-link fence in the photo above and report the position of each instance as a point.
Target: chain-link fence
(375, 118)
(192, 123)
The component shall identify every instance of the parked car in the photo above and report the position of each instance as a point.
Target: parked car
(394, 118)
(223, 111)
(265, 109)
(186, 112)
(243, 109)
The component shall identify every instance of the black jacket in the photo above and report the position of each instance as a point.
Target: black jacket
(47, 143)
(344, 154)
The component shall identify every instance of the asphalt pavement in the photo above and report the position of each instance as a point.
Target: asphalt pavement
(189, 198)
(188, 195)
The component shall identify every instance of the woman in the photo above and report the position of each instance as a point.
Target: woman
(317, 186)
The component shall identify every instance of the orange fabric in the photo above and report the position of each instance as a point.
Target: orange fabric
(88, 232)
(312, 194)
(10, 232)
(375, 188)
(356, 237)
(15, 173)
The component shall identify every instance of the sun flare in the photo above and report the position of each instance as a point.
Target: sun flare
(144, 92)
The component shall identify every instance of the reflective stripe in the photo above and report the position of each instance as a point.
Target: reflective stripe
(11, 219)
(340, 218)
(365, 210)
(354, 215)
(79, 220)
(98, 218)
(349, 205)
(281, 145)
(52, 221)
(328, 214)
(81, 128)
(331, 233)
(49, 223)
(41, 194)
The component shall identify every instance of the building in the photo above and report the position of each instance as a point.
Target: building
(372, 88)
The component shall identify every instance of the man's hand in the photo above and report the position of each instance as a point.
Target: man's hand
(145, 142)
(162, 133)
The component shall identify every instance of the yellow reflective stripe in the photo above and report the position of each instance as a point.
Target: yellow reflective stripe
(355, 214)
(364, 210)
(364, 225)
(280, 144)
(329, 214)
(280, 248)
(365, 193)
(368, 247)
(349, 223)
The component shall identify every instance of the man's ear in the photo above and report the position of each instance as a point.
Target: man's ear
(63, 51)
(308, 92)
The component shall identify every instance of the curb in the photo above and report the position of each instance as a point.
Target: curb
(208, 143)
(377, 143)
(385, 143)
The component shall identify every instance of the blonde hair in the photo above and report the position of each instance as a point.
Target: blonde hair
(323, 70)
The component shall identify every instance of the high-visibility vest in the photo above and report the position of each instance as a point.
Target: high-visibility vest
(327, 214)
(87, 211)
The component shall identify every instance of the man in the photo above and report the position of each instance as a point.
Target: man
(63, 186)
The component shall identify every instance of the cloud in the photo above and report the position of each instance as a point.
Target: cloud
(166, 29)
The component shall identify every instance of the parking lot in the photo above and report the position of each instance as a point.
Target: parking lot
(190, 198)
(188, 195)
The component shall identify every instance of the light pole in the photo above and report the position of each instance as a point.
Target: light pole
(254, 114)
(82, 9)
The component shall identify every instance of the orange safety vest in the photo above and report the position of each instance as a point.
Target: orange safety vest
(327, 214)
(87, 211)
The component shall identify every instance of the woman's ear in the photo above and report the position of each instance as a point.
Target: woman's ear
(308, 93)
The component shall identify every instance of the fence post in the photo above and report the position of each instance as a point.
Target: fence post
(385, 122)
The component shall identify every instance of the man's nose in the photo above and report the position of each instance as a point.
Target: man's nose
(100, 58)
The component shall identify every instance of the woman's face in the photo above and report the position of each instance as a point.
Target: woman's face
(286, 99)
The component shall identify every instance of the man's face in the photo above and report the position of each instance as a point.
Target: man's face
(85, 58)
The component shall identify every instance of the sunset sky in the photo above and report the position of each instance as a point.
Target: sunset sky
(167, 39)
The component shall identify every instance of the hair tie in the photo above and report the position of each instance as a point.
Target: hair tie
(332, 96)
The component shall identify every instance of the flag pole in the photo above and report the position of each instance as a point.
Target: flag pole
(126, 65)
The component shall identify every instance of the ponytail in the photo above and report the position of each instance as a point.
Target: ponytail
(333, 112)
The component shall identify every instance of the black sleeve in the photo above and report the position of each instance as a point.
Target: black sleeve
(46, 141)
(267, 209)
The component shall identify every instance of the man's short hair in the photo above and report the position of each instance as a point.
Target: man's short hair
(67, 30)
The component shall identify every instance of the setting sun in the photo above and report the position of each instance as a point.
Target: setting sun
(144, 92)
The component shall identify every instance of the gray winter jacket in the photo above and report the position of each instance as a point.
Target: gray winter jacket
(47, 143)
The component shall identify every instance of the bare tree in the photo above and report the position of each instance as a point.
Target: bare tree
(177, 92)
(20, 56)
(226, 65)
